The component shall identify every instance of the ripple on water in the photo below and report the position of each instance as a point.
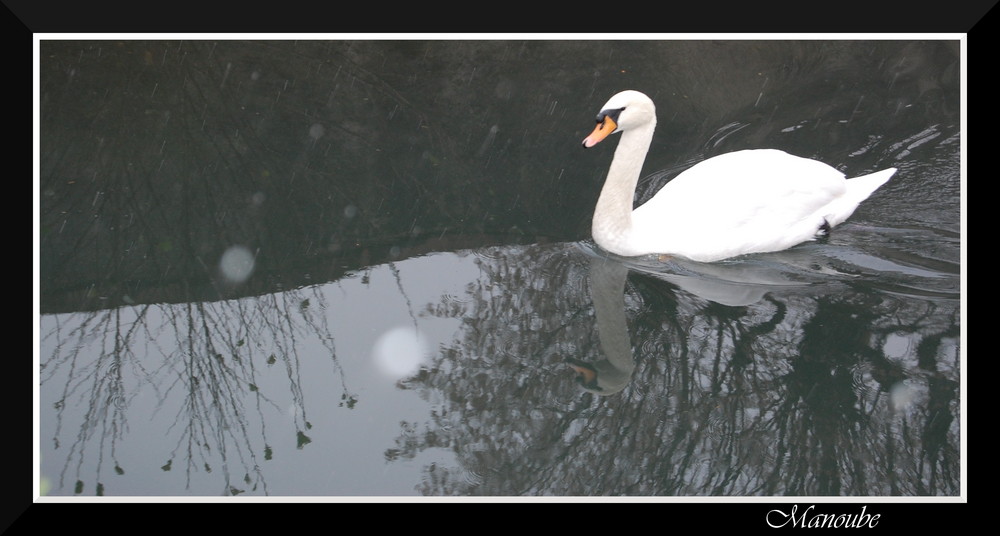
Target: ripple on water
(493, 252)
(862, 381)
(474, 477)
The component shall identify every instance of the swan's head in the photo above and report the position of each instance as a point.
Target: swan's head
(626, 110)
(602, 378)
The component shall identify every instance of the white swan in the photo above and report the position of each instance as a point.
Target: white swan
(750, 201)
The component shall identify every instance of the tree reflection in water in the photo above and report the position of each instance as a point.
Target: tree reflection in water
(208, 375)
(823, 387)
(795, 394)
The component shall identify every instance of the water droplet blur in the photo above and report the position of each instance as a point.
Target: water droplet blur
(901, 396)
(236, 264)
(400, 352)
(316, 131)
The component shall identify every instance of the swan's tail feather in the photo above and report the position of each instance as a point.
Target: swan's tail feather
(861, 187)
(858, 189)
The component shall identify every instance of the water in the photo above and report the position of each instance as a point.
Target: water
(363, 269)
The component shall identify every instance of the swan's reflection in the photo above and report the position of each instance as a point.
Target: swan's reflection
(735, 283)
(607, 286)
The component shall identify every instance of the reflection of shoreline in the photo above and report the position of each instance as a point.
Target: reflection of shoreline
(109, 292)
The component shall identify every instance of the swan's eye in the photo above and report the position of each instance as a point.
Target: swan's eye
(611, 115)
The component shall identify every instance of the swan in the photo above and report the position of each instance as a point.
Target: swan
(749, 201)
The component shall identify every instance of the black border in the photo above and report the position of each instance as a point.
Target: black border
(298, 16)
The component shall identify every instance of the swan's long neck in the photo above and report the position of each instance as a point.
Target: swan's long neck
(613, 215)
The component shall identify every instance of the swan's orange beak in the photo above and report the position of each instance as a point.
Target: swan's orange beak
(604, 127)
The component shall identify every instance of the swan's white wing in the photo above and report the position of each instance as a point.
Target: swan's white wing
(741, 202)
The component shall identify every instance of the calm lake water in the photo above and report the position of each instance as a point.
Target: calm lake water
(363, 268)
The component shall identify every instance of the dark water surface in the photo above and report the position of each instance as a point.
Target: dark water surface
(363, 268)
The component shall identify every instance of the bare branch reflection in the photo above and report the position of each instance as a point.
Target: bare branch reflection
(208, 364)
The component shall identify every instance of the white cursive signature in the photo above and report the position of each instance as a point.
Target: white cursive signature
(808, 519)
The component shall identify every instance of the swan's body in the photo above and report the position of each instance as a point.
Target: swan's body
(743, 202)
